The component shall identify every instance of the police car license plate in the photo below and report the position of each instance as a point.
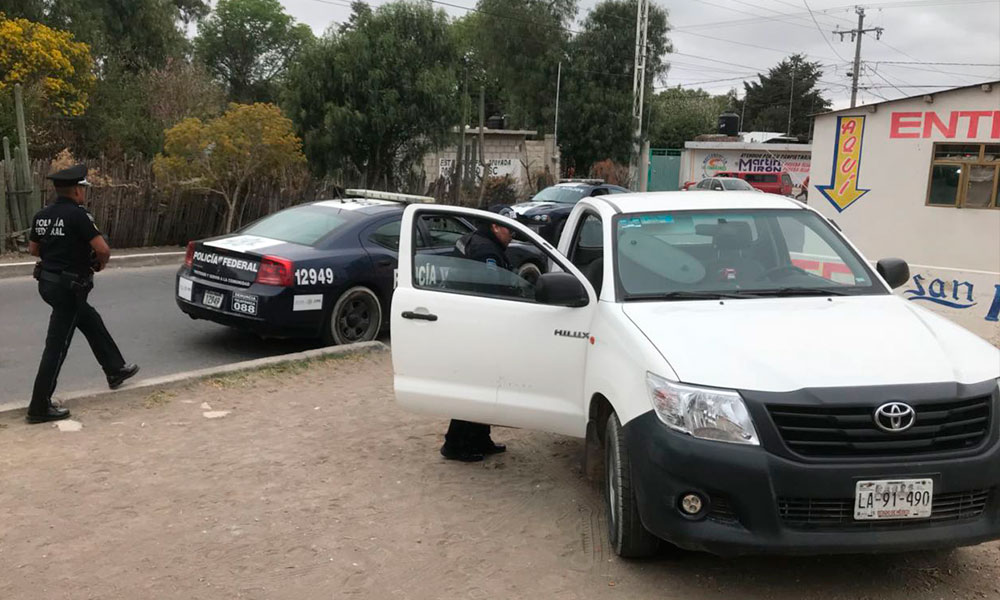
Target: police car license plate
(212, 299)
(244, 303)
(893, 499)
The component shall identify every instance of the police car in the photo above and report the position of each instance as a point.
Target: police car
(547, 211)
(324, 269)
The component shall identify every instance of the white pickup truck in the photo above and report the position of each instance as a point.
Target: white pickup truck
(748, 380)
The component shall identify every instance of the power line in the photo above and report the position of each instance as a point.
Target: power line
(924, 62)
(821, 33)
(779, 50)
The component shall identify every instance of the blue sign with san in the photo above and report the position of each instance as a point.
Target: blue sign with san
(953, 294)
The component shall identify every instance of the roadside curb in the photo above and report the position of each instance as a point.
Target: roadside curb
(186, 377)
(147, 259)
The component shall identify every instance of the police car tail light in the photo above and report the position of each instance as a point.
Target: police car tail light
(189, 255)
(275, 271)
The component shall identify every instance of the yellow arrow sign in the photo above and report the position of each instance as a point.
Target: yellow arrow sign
(843, 190)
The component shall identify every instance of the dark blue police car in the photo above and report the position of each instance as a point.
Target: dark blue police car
(324, 269)
(548, 210)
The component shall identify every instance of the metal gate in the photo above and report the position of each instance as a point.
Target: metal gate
(664, 170)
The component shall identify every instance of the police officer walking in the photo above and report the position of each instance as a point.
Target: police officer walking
(465, 441)
(71, 248)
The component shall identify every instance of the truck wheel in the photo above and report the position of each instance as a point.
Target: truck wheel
(627, 536)
(355, 317)
(529, 272)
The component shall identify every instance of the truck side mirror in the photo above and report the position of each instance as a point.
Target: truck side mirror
(560, 289)
(895, 271)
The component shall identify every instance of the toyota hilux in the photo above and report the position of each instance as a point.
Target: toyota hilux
(745, 380)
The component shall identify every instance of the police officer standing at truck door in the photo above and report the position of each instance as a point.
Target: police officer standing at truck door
(465, 441)
(71, 248)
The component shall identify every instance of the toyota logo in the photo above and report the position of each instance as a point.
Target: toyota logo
(895, 417)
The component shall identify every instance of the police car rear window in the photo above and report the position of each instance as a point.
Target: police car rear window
(300, 225)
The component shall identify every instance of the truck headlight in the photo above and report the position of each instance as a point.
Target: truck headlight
(540, 218)
(704, 413)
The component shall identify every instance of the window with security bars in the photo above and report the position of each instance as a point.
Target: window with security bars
(964, 176)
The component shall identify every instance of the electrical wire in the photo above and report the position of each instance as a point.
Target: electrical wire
(820, 30)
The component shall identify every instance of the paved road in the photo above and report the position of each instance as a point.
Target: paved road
(138, 307)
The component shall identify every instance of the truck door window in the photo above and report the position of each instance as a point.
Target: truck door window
(587, 249)
(442, 231)
(477, 274)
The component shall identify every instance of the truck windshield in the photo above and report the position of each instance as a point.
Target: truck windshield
(730, 253)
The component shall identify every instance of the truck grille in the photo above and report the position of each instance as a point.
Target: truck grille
(809, 513)
(850, 431)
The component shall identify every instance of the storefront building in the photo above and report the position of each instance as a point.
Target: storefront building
(917, 179)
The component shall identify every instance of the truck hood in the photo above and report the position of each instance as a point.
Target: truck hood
(786, 344)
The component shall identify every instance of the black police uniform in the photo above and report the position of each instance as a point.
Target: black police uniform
(465, 440)
(63, 230)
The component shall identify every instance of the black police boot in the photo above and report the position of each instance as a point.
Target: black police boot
(115, 381)
(464, 455)
(54, 413)
(488, 447)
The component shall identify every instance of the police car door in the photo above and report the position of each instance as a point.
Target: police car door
(470, 342)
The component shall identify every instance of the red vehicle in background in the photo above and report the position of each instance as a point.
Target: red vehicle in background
(772, 183)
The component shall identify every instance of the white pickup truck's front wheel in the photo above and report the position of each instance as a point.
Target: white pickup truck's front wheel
(626, 533)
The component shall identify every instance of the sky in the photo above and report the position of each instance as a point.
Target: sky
(719, 43)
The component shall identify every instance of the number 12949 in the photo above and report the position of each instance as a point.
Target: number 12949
(313, 276)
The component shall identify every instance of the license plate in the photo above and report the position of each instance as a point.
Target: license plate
(893, 499)
(212, 299)
(244, 303)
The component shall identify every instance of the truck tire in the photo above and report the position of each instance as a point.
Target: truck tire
(529, 272)
(626, 534)
(355, 317)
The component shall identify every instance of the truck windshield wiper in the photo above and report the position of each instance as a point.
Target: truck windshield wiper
(801, 291)
(689, 295)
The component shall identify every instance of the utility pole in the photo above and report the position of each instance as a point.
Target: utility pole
(555, 133)
(459, 174)
(638, 87)
(791, 95)
(482, 146)
(856, 35)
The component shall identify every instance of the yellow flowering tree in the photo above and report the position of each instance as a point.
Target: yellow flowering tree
(48, 63)
(249, 142)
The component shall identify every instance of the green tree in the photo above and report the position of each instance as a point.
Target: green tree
(678, 115)
(374, 96)
(767, 101)
(133, 35)
(248, 44)
(516, 45)
(596, 119)
(249, 142)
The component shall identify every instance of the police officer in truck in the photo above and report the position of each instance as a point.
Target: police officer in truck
(72, 249)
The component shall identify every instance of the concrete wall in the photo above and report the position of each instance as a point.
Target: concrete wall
(880, 198)
(705, 159)
(509, 153)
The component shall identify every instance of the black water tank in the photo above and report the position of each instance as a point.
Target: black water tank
(729, 124)
(496, 122)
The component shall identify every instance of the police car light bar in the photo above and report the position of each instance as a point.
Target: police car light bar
(390, 196)
(588, 181)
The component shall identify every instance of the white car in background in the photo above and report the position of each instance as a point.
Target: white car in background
(748, 382)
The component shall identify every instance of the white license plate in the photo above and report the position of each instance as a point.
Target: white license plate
(893, 499)
(244, 303)
(212, 299)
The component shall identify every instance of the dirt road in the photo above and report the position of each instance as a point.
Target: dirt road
(308, 482)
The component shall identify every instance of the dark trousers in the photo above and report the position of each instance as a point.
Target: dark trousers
(464, 436)
(70, 311)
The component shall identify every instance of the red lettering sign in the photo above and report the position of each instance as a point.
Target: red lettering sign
(930, 124)
(897, 123)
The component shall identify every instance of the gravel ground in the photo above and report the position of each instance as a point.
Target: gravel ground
(304, 482)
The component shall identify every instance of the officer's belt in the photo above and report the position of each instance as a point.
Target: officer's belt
(59, 277)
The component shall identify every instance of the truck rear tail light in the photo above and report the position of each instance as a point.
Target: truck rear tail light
(275, 271)
(189, 255)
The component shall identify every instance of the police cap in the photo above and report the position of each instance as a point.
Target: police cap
(70, 176)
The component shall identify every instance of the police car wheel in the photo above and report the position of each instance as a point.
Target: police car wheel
(529, 272)
(626, 533)
(355, 317)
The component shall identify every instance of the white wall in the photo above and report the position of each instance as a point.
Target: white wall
(704, 159)
(954, 249)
